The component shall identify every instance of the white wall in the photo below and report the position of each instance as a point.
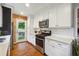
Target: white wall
(30, 30)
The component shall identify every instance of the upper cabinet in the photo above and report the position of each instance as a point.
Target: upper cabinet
(0, 16)
(63, 15)
(40, 17)
(36, 21)
(59, 15)
(45, 14)
(52, 17)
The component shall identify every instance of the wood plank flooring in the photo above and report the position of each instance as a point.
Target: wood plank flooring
(24, 49)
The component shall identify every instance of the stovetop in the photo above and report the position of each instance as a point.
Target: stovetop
(42, 35)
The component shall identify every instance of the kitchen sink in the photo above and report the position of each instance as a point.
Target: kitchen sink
(2, 40)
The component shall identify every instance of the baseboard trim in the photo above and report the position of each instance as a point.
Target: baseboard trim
(30, 43)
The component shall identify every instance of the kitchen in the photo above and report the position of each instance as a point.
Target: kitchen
(51, 27)
(62, 23)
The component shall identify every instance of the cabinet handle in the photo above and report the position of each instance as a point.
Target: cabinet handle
(56, 25)
(53, 46)
(59, 44)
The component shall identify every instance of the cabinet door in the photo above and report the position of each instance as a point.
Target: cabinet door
(50, 48)
(47, 48)
(40, 16)
(45, 15)
(62, 49)
(63, 15)
(52, 17)
(36, 22)
(1, 16)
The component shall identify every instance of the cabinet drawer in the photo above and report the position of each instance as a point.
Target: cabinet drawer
(50, 50)
(51, 42)
(56, 43)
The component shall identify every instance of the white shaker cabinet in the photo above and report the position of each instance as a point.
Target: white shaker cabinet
(5, 45)
(55, 48)
(52, 17)
(60, 16)
(36, 22)
(63, 15)
(45, 15)
(0, 16)
(40, 17)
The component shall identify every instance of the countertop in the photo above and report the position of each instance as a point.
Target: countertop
(7, 39)
(4, 46)
(63, 39)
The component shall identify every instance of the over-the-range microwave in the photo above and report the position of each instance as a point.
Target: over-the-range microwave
(44, 23)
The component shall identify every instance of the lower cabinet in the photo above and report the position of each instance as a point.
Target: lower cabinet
(55, 48)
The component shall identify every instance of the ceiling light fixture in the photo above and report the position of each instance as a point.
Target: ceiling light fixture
(27, 4)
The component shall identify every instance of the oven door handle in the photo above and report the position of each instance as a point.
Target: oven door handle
(40, 39)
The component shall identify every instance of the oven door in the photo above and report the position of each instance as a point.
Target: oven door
(40, 44)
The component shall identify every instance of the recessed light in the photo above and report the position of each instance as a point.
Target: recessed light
(27, 4)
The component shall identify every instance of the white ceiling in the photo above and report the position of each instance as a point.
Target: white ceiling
(33, 9)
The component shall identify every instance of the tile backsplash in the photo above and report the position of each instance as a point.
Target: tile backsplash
(63, 31)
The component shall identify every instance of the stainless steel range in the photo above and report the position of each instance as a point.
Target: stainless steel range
(40, 40)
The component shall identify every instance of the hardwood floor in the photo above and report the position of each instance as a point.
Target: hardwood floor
(24, 49)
